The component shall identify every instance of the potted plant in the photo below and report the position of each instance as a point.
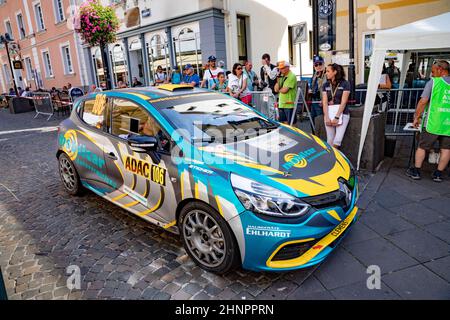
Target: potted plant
(98, 25)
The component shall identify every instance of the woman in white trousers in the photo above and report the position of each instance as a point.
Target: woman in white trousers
(335, 94)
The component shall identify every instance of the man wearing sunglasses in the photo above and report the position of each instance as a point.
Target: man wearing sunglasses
(318, 80)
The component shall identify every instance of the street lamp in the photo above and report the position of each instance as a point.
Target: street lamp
(5, 39)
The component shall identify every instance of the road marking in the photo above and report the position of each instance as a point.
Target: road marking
(42, 129)
(1, 184)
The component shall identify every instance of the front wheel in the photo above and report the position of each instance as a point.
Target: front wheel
(69, 175)
(207, 238)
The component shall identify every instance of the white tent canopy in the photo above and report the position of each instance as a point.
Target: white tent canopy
(423, 35)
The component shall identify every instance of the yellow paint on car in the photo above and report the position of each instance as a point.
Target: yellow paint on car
(315, 249)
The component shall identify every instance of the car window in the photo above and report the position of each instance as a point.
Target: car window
(221, 119)
(93, 112)
(128, 118)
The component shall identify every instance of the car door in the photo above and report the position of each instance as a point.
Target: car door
(145, 186)
(89, 137)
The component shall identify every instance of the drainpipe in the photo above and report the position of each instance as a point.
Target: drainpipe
(228, 33)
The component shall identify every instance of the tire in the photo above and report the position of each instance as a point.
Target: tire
(197, 236)
(69, 175)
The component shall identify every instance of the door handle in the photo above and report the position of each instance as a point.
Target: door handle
(112, 156)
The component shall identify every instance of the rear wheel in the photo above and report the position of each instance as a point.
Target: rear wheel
(69, 175)
(207, 238)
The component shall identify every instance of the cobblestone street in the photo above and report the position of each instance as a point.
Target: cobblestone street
(405, 229)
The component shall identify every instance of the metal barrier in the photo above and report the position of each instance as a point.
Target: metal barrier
(264, 102)
(399, 104)
(43, 104)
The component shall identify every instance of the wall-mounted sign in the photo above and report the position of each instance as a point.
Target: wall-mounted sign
(300, 33)
(342, 58)
(17, 65)
(327, 24)
(325, 47)
(326, 8)
(146, 13)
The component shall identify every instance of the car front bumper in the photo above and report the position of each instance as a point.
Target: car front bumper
(271, 246)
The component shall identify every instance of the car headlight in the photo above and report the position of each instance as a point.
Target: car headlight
(260, 198)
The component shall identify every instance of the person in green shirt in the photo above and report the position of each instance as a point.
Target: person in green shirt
(286, 87)
(436, 95)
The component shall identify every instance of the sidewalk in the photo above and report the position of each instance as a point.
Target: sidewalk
(404, 228)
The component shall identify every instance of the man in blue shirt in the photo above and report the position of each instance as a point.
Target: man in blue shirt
(191, 77)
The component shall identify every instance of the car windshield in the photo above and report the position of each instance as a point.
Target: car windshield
(221, 120)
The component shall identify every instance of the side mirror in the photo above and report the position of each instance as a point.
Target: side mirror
(142, 144)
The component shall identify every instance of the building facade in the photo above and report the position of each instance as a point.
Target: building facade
(47, 45)
(153, 33)
(171, 33)
(372, 16)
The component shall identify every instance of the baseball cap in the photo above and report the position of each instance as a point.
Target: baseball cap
(212, 58)
(188, 66)
(318, 59)
(283, 64)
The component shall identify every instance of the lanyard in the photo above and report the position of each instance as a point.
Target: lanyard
(333, 93)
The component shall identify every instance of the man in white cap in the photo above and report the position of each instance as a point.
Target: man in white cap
(286, 87)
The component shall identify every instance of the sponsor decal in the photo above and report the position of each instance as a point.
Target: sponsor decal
(145, 169)
(337, 231)
(302, 159)
(91, 157)
(69, 143)
(200, 169)
(274, 232)
(84, 157)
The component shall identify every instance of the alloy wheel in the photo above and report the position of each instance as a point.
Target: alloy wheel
(204, 238)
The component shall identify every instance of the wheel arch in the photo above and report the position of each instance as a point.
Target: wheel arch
(187, 201)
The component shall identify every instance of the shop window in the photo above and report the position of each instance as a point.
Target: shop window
(242, 38)
(187, 49)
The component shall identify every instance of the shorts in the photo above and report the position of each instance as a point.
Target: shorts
(247, 99)
(427, 140)
(286, 114)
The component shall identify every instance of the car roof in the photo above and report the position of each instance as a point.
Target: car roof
(163, 91)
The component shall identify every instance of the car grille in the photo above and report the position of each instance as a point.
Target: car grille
(332, 199)
(292, 251)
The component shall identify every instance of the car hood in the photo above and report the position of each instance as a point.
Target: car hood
(287, 158)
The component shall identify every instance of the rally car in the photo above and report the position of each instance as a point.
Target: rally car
(238, 188)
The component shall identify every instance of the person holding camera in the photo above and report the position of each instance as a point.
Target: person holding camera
(286, 86)
(268, 73)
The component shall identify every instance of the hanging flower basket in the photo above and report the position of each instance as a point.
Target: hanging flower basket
(96, 23)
